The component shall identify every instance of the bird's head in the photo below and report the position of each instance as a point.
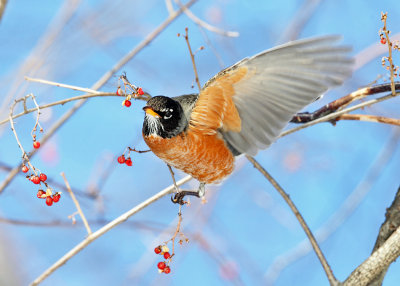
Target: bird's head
(164, 117)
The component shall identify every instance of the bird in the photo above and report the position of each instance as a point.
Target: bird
(243, 108)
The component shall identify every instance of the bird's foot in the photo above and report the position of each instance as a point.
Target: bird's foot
(178, 197)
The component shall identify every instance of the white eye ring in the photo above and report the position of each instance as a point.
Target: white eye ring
(168, 117)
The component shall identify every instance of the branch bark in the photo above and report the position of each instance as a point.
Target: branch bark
(386, 250)
(391, 223)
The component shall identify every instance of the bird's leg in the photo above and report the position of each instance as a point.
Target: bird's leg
(173, 178)
(180, 194)
(178, 198)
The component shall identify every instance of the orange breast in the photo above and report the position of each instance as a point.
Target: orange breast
(204, 157)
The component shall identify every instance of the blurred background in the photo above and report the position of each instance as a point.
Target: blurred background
(342, 178)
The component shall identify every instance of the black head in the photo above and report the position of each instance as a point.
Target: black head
(164, 117)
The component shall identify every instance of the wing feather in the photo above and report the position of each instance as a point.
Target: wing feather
(251, 102)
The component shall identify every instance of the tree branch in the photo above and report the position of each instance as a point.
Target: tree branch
(377, 263)
(78, 207)
(392, 222)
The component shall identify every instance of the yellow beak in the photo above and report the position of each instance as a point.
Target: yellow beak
(149, 110)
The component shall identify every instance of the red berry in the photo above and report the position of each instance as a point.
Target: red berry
(127, 103)
(40, 193)
(161, 265)
(119, 91)
(128, 162)
(36, 144)
(25, 169)
(121, 159)
(56, 198)
(383, 41)
(167, 255)
(49, 201)
(157, 250)
(35, 180)
(167, 270)
(140, 91)
(43, 177)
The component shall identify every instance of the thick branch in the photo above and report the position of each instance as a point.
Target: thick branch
(392, 222)
(377, 262)
(333, 106)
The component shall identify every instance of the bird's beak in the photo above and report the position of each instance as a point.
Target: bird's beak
(149, 110)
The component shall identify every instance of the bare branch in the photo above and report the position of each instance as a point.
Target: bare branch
(390, 58)
(336, 114)
(369, 118)
(78, 207)
(304, 117)
(299, 20)
(205, 25)
(73, 87)
(59, 102)
(186, 36)
(392, 222)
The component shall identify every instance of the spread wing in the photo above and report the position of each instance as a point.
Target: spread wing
(252, 101)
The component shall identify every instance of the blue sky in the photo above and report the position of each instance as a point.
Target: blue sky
(245, 226)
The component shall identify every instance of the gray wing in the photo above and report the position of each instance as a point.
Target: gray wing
(279, 83)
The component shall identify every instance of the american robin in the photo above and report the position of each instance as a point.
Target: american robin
(243, 108)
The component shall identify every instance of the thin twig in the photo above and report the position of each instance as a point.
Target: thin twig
(299, 20)
(138, 151)
(170, 8)
(204, 24)
(369, 118)
(173, 178)
(342, 102)
(389, 44)
(334, 115)
(186, 36)
(92, 237)
(78, 207)
(25, 157)
(73, 87)
(177, 230)
(313, 241)
(60, 102)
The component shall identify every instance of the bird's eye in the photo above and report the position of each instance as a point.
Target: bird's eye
(168, 113)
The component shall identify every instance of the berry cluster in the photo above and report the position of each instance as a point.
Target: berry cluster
(387, 62)
(37, 180)
(50, 199)
(128, 161)
(163, 266)
(135, 94)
